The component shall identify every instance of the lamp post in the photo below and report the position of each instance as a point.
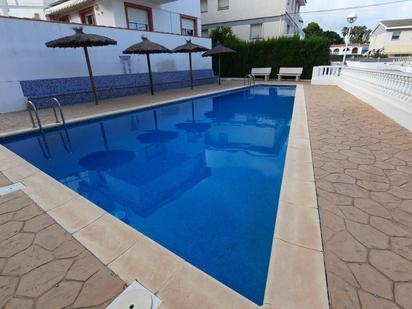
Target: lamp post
(351, 18)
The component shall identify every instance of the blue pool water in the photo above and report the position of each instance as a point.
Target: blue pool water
(201, 177)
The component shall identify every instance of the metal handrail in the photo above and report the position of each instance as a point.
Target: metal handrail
(253, 79)
(32, 108)
(56, 101)
(250, 80)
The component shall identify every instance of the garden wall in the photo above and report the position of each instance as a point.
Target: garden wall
(24, 57)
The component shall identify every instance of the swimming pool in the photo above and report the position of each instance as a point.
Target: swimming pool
(200, 177)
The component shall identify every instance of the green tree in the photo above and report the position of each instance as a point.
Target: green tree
(359, 34)
(222, 34)
(313, 29)
(333, 37)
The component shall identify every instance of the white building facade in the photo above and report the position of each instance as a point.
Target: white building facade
(392, 37)
(168, 16)
(352, 49)
(251, 20)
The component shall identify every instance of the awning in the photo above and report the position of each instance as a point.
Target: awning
(66, 6)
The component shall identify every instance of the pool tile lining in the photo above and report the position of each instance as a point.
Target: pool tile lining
(179, 284)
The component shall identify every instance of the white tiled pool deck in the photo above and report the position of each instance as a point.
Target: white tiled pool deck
(296, 277)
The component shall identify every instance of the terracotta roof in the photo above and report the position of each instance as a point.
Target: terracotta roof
(395, 23)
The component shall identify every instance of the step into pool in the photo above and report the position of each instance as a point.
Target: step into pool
(201, 177)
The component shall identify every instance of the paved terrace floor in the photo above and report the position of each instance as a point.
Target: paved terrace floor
(363, 172)
(42, 266)
(20, 120)
(363, 175)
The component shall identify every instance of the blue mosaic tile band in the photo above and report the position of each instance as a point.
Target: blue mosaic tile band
(77, 89)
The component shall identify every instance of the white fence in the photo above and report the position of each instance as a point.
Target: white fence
(325, 75)
(406, 60)
(389, 92)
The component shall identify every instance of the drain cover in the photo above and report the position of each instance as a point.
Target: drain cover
(11, 188)
(135, 297)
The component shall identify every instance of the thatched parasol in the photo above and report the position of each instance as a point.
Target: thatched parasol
(218, 50)
(147, 47)
(190, 48)
(81, 39)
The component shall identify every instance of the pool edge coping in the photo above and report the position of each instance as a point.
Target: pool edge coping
(38, 185)
(301, 281)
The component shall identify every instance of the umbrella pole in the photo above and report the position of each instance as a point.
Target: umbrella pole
(89, 68)
(191, 73)
(155, 119)
(219, 71)
(150, 73)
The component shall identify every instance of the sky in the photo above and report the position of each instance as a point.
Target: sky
(366, 16)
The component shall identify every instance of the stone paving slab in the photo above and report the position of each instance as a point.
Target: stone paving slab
(43, 266)
(363, 173)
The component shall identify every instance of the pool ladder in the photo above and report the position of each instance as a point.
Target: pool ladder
(32, 109)
(249, 80)
(43, 141)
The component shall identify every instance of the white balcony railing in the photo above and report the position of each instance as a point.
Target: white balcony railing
(388, 91)
(404, 60)
(396, 85)
(393, 84)
(325, 75)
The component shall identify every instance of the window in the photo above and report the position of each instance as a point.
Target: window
(203, 6)
(396, 35)
(223, 4)
(188, 25)
(287, 28)
(336, 51)
(205, 33)
(64, 19)
(87, 16)
(355, 50)
(138, 17)
(256, 31)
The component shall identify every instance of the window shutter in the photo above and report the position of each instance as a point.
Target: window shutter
(139, 17)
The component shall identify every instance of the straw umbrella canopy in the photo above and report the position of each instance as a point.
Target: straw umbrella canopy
(190, 48)
(81, 39)
(218, 50)
(147, 47)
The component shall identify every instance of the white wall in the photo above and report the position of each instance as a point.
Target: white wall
(24, 56)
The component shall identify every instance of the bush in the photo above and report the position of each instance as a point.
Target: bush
(274, 53)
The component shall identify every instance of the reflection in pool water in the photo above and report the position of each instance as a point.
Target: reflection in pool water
(200, 177)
